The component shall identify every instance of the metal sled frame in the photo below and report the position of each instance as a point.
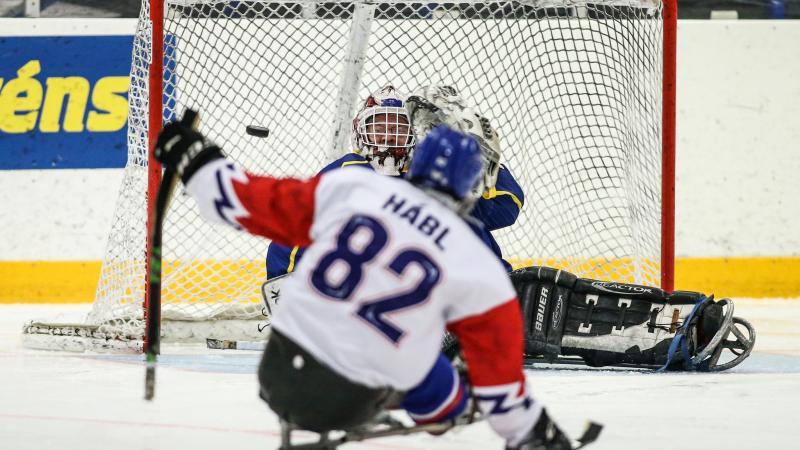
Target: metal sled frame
(386, 426)
(707, 360)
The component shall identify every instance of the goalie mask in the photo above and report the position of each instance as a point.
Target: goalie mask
(382, 133)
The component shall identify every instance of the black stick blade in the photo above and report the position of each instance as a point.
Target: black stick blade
(257, 131)
(150, 381)
(590, 435)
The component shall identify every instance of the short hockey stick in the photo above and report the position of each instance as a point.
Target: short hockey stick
(153, 323)
(590, 434)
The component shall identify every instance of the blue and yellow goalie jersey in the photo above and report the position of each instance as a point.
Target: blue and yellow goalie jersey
(497, 209)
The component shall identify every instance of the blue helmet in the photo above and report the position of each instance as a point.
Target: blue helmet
(448, 161)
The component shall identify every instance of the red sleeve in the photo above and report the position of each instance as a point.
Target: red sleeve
(492, 343)
(281, 209)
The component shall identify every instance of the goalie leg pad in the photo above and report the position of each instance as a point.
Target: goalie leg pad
(617, 323)
(609, 323)
(544, 295)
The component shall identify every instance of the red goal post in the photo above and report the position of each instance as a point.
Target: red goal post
(670, 42)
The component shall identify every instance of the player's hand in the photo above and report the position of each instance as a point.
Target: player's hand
(181, 148)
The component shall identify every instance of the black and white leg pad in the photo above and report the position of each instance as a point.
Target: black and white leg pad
(608, 323)
(544, 294)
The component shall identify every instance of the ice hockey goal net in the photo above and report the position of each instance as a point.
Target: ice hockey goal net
(582, 93)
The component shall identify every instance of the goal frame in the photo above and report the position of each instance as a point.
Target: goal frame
(670, 15)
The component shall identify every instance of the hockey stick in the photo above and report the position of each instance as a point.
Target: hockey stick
(224, 344)
(153, 324)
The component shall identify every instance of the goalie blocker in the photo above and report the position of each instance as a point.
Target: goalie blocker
(608, 323)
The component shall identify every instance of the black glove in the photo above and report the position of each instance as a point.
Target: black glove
(181, 148)
(545, 435)
(423, 115)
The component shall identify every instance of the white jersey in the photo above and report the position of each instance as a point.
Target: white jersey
(405, 266)
(386, 270)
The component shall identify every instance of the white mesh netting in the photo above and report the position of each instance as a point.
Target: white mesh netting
(573, 87)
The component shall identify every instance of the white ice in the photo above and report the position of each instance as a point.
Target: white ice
(208, 399)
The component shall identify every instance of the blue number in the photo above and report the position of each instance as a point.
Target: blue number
(354, 260)
(373, 311)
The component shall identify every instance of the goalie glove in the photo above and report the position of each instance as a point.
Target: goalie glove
(432, 106)
(425, 116)
(184, 150)
(480, 127)
(441, 104)
(445, 98)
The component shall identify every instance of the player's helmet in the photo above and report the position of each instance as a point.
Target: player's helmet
(382, 133)
(449, 162)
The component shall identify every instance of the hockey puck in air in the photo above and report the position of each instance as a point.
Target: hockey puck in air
(257, 131)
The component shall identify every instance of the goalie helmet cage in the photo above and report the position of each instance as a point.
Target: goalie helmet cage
(581, 92)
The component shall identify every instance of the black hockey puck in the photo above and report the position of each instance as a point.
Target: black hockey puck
(257, 131)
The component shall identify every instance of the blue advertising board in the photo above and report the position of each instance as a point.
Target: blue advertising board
(64, 101)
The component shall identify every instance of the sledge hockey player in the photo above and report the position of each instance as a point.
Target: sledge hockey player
(390, 263)
(384, 141)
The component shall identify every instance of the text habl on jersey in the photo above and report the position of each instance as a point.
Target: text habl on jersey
(64, 101)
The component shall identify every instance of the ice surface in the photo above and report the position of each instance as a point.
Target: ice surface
(208, 399)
